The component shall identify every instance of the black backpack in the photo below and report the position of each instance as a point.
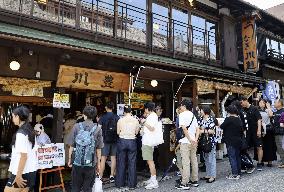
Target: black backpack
(110, 130)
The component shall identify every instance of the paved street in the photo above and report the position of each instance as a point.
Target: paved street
(270, 179)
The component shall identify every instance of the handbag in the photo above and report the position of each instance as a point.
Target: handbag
(205, 143)
(269, 128)
(98, 185)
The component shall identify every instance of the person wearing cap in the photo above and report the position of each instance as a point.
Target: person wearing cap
(41, 137)
(127, 129)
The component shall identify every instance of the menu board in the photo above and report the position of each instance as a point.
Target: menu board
(138, 99)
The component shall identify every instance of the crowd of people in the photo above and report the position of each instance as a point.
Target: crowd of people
(91, 140)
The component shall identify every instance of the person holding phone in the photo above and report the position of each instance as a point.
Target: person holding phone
(23, 165)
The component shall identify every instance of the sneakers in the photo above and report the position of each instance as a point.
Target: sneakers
(233, 177)
(147, 182)
(193, 183)
(178, 181)
(250, 170)
(259, 166)
(180, 186)
(153, 184)
(281, 166)
(111, 179)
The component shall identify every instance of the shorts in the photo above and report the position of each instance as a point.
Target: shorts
(109, 149)
(147, 152)
(253, 140)
(30, 177)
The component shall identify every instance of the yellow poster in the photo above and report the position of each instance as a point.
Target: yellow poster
(61, 100)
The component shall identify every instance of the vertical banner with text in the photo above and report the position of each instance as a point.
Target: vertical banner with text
(249, 45)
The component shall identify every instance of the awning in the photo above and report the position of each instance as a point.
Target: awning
(160, 74)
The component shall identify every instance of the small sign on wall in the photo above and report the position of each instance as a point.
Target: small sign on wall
(61, 100)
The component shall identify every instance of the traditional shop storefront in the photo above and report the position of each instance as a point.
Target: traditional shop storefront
(15, 91)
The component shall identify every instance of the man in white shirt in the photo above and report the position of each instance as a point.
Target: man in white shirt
(188, 145)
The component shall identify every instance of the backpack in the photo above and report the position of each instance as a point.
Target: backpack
(85, 147)
(110, 130)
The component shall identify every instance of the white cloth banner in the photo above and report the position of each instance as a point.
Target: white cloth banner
(51, 155)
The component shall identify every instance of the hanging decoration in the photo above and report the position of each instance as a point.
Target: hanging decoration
(207, 87)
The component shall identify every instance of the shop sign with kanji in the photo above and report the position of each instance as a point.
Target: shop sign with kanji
(91, 79)
(249, 45)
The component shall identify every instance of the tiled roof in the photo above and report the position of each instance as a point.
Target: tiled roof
(277, 11)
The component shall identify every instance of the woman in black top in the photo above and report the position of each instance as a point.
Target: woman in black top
(232, 133)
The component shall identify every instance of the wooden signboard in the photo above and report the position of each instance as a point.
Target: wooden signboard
(83, 78)
(249, 45)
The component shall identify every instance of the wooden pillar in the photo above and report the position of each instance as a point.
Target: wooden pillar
(217, 103)
(57, 127)
(115, 22)
(170, 28)
(149, 34)
(78, 14)
(194, 94)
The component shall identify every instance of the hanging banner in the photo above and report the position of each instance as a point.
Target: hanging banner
(272, 92)
(61, 100)
(84, 78)
(51, 155)
(249, 45)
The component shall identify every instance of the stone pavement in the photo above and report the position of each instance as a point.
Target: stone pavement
(268, 180)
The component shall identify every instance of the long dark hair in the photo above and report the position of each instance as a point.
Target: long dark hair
(26, 129)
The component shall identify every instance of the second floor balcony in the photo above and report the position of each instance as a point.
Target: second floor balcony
(180, 32)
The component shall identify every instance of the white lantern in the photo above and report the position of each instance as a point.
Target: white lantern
(154, 83)
(14, 65)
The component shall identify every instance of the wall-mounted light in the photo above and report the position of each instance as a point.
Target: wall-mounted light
(15, 65)
(154, 83)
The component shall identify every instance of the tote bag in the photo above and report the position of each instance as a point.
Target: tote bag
(98, 185)
(156, 137)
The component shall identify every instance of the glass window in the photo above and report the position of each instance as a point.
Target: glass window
(103, 22)
(275, 46)
(268, 45)
(180, 30)
(198, 29)
(282, 48)
(160, 25)
(132, 22)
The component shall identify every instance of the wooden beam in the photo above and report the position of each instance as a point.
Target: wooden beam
(194, 94)
(57, 126)
(217, 103)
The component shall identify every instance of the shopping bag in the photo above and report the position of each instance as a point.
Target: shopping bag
(156, 137)
(98, 185)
